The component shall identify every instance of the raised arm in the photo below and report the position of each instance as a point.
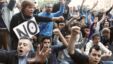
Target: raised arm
(95, 4)
(108, 11)
(61, 10)
(41, 55)
(57, 32)
(47, 19)
(90, 19)
(99, 22)
(68, 23)
(103, 18)
(82, 4)
(74, 32)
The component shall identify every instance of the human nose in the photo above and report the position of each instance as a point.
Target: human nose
(21, 46)
(32, 9)
(96, 57)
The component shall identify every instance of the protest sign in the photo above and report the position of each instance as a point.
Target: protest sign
(27, 28)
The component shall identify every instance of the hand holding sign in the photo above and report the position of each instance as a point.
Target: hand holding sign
(27, 28)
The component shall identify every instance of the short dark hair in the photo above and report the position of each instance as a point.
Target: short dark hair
(26, 3)
(45, 38)
(75, 23)
(96, 47)
(67, 33)
(95, 35)
(82, 30)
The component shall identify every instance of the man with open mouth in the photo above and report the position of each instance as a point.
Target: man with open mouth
(24, 53)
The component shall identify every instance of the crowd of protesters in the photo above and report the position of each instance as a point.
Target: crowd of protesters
(67, 35)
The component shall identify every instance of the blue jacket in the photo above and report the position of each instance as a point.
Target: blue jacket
(47, 28)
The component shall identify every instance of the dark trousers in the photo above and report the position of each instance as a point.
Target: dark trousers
(4, 38)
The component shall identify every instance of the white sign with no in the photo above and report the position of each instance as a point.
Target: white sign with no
(27, 28)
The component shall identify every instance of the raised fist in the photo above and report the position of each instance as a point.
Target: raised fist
(56, 31)
(75, 30)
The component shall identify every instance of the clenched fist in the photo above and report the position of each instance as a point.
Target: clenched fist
(75, 30)
(56, 31)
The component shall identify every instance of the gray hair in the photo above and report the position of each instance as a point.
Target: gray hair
(31, 41)
(105, 30)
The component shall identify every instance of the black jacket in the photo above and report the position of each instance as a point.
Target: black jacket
(8, 57)
(80, 58)
(18, 19)
(11, 57)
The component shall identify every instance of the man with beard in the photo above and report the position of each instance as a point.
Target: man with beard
(105, 38)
